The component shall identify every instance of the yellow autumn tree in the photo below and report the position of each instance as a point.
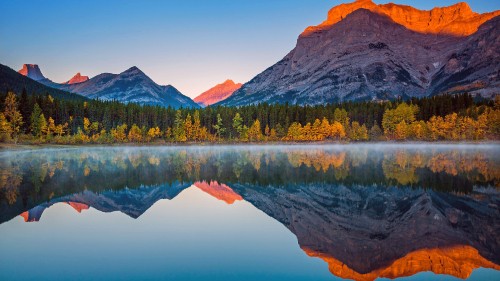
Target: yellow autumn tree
(254, 132)
(135, 134)
(337, 131)
(393, 117)
(119, 133)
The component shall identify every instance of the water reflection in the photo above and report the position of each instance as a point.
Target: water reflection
(368, 211)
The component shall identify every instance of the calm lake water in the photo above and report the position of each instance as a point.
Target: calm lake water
(326, 212)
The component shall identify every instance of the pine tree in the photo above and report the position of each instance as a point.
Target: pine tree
(34, 124)
(219, 128)
(238, 124)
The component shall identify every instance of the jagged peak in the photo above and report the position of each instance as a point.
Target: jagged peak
(133, 69)
(456, 20)
(78, 78)
(32, 71)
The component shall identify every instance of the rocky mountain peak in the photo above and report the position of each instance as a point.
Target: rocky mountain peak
(218, 93)
(365, 51)
(456, 20)
(32, 71)
(78, 78)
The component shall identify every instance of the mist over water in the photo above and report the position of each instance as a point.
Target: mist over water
(277, 212)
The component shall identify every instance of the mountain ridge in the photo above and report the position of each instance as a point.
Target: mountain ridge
(455, 20)
(368, 56)
(129, 86)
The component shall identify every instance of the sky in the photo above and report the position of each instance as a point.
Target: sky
(190, 44)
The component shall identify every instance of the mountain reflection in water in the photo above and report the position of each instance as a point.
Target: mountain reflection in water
(369, 211)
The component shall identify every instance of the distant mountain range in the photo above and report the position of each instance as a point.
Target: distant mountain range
(217, 93)
(365, 51)
(130, 86)
(132, 202)
(10, 80)
(362, 51)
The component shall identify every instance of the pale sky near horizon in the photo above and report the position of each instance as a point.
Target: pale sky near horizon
(190, 44)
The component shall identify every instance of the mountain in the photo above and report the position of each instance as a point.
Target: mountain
(459, 261)
(132, 85)
(32, 71)
(10, 80)
(218, 93)
(455, 20)
(132, 202)
(78, 78)
(367, 231)
(365, 51)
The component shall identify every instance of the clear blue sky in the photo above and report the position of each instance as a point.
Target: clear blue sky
(191, 44)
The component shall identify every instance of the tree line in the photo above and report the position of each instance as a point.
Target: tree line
(44, 119)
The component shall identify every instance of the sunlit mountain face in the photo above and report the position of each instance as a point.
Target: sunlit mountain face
(367, 211)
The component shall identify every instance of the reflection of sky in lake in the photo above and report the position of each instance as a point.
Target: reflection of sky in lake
(194, 236)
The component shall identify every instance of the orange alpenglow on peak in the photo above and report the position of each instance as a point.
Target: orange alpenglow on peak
(219, 191)
(32, 71)
(78, 78)
(458, 261)
(79, 207)
(218, 93)
(455, 20)
(26, 216)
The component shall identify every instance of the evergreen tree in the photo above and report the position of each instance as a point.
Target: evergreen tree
(35, 128)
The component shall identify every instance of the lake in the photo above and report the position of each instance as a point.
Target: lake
(291, 212)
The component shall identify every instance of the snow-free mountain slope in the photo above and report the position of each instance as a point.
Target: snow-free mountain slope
(456, 20)
(32, 71)
(217, 93)
(130, 86)
(367, 55)
(78, 78)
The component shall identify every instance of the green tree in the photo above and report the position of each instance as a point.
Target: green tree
(238, 124)
(219, 127)
(34, 120)
(178, 132)
(42, 124)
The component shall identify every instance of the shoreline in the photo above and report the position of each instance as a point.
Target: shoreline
(21, 147)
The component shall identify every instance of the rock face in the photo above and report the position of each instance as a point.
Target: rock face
(365, 51)
(366, 232)
(78, 78)
(32, 71)
(218, 93)
(456, 20)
